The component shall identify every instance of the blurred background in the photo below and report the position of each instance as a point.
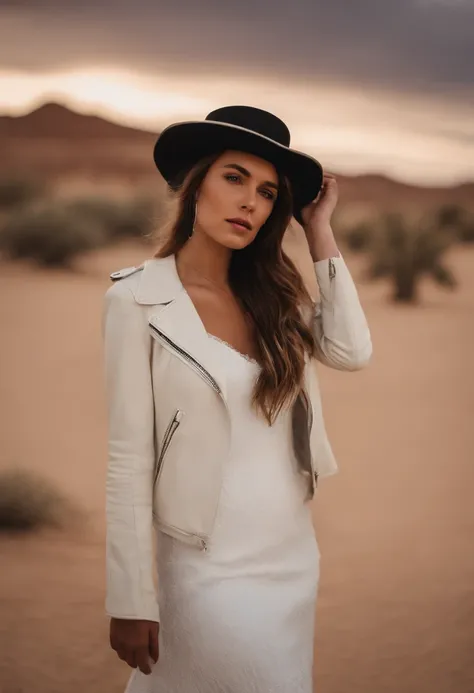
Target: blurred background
(382, 93)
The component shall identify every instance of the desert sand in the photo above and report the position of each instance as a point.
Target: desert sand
(396, 603)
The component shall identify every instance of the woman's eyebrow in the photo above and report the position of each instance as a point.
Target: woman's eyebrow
(247, 174)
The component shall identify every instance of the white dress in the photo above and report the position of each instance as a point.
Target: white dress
(239, 618)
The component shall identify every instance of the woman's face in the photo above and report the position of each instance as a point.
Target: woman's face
(237, 187)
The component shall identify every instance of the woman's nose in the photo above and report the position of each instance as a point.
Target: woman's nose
(249, 200)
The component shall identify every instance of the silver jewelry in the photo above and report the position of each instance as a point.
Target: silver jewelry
(194, 220)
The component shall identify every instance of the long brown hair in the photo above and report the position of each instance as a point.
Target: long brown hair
(269, 288)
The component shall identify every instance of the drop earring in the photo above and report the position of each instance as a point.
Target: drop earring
(194, 221)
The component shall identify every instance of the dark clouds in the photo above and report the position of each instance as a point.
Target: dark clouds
(421, 44)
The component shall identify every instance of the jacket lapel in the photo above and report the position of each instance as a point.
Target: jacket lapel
(180, 323)
(177, 323)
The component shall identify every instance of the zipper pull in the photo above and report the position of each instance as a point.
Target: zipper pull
(332, 269)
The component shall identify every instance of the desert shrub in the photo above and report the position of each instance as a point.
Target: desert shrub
(29, 502)
(116, 219)
(53, 232)
(48, 234)
(137, 218)
(16, 192)
(404, 251)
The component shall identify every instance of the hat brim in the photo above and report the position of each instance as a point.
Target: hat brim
(181, 145)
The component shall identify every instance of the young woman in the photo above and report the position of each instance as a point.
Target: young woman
(216, 434)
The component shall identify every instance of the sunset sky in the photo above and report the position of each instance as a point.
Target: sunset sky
(365, 86)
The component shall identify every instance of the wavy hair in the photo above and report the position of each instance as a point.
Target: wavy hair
(269, 288)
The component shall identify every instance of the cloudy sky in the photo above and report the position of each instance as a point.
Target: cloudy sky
(364, 85)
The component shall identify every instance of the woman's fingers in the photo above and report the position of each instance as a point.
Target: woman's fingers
(132, 659)
(136, 658)
(127, 655)
(135, 642)
(153, 644)
(143, 659)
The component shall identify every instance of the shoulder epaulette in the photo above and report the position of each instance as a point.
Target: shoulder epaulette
(125, 272)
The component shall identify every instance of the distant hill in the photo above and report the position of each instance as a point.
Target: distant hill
(54, 120)
(55, 142)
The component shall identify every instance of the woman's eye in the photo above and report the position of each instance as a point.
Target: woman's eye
(235, 178)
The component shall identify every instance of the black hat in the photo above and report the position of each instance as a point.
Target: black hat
(244, 128)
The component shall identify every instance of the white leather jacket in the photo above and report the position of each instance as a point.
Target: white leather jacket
(169, 423)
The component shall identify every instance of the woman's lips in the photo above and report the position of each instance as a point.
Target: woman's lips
(237, 225)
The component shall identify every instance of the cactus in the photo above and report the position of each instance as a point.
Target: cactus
(405, 251)
(359, 237)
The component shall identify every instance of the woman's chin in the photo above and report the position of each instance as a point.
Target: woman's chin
(235, 241)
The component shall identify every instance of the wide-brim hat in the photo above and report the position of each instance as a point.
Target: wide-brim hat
(242, 128)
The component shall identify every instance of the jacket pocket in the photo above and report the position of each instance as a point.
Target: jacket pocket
(165, 443)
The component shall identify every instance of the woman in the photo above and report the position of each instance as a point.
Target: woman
(216, 435)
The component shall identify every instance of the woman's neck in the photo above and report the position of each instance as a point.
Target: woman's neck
(203, 257)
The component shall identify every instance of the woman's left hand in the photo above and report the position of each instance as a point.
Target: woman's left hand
(321, 209)
(317, 220)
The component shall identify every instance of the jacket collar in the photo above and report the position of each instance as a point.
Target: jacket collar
(159, 281)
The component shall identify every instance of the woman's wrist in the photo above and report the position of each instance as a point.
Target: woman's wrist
(321, 242)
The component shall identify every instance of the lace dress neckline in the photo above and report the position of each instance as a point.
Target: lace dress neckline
(236, 351)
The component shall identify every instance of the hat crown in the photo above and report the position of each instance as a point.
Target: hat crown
(255, 119)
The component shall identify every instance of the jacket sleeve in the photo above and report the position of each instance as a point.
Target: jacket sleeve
(339, 325)
(131, 591)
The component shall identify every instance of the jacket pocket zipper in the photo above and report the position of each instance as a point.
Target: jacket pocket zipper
(169, 433)
(176, 532)
(206, 376)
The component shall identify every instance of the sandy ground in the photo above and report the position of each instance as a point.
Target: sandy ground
(396, 605)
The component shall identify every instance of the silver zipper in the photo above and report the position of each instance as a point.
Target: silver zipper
(169, 433)
(192, 361)
(181, 532)
(332, 269)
